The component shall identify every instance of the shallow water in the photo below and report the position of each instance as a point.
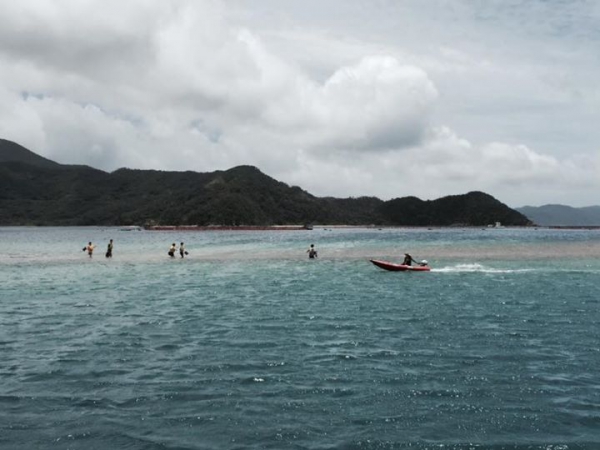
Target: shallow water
(248, 344)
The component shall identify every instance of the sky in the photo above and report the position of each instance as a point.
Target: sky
(343, 98)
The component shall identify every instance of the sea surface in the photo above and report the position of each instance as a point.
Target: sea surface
(248, 344)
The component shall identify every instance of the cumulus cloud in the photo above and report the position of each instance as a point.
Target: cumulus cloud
(374, 104)
(186, 85)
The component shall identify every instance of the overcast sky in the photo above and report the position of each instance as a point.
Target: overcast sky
(340, 97)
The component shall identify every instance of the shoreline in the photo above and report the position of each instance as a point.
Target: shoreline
(226, 228)
(378, 227)
(310, 227)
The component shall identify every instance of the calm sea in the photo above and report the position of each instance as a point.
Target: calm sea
(248, 344)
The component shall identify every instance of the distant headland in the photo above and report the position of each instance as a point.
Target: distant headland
(37, 191)
(563, 216)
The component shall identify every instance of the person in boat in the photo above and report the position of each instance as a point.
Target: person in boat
(408, 260)
(312, 252)
(109, 249)
(172, 250)
(89, 248)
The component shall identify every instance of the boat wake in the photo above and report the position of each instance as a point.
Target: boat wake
(477, 268)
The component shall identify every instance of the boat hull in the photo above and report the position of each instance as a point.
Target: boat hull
(393, 267)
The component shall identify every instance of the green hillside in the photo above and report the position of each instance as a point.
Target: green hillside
(36, 191)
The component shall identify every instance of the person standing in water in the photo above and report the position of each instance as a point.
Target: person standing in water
(89, 248)
(312, 252)
(172, 250)
(109, 249)
(182, 250)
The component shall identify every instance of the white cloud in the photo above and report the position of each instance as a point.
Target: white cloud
(375, 104)
(445, 164)
(389, 101)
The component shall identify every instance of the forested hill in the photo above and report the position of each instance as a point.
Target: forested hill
(11, 151)
(37, 191)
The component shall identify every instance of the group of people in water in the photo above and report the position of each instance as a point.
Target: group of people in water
(173, 249)
(89, 248)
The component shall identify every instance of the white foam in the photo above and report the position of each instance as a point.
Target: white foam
(475, 267)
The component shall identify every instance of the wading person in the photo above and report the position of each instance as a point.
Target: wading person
(109, 249)
(89, 248)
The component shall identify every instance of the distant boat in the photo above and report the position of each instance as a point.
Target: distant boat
(131, 228)
(393, 267)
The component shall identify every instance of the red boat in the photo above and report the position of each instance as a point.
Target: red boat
(399, 267)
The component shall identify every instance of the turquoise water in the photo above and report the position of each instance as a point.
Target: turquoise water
(248, 344)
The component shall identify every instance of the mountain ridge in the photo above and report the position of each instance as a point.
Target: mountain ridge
(38, 193)
(13, 152)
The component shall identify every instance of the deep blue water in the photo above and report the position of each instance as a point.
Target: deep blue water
(248, 344)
